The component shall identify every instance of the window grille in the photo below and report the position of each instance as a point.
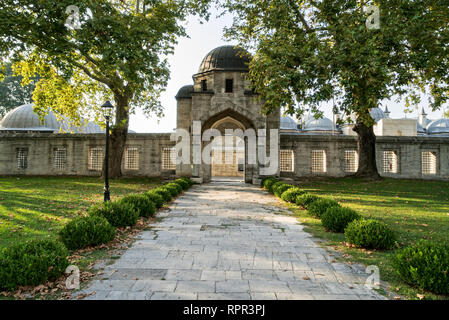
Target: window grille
(168, 157)
(318, 161)
(351, 161)
(59, 158)
(22, 158)
(429, 162)
(96, 159)
(132, 158)
(390, 162)
(286, 158)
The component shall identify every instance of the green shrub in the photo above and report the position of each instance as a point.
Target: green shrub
(306, 199)
(86, 231)
(275, 185)
(264, 180)
(172, 189)
(155, 198)
(318, 208)
(164, 193)
(119, 214)
(184, 184)
(291, 194)
(280, 189)
(268, 184)
(336, 219)
(425, 265)
(370, 234)
(175, 186)
(188, 180)
(32, 263)
(141, 203)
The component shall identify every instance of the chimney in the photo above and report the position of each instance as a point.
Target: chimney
(422, 118)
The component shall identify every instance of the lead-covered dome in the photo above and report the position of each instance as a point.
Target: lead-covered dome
(440, 126)
(185, 92)
(226, 58)
(322, 124)
(287, 123)
(24, 117)
(377, 114)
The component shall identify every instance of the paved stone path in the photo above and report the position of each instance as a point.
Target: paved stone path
(227, 240)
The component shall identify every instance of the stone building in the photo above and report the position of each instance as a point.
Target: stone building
(221, 99)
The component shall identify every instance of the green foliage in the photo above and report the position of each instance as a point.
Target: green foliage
(119, 214)
(336, 219)
(87, 231)
(281, 188)
(164, 193)
(318, 208)
(188, 180)
(272, 187)
(268, 184)
(141, 203)
(156, 198)
(424, 265)
(183, 183)
(291, 194)
(370, 234)
(32, 263)
(174, 189)
(262, 182)
(306, 199)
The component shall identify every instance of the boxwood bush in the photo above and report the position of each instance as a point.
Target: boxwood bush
(264, 180)
(141, 203)
(268, 184)
(306, 199)
(32, 263)
(280, 189)
(290, 194)
(183, 183)
(86, 231)
(318, 208)
(176, 187)
(424, 265)
(119, 214)
(155, 198)
(336, 219)
(188, 180)
(370, 234)
(164, 193)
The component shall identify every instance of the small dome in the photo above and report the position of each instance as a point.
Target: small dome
(287, 123)
(377, 114)
(438, 126)
(323, 124)
(226, 58)
(185, 92)
(24, 117)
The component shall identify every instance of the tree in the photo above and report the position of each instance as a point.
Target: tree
(312, 52)
(12, 93)
(99, 50)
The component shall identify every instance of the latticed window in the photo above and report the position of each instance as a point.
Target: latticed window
(390, 162)
(286, 160)
(168, 159)
(351, 161)
(132, 158)
(60, 158)
(318, 161)
(96, 159)
(22, 158)
(429, 162)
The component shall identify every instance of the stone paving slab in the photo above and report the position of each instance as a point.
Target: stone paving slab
(227, 240)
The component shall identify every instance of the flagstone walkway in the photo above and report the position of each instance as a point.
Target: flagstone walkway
(227, 240)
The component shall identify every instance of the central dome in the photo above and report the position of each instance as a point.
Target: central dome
(226, 58)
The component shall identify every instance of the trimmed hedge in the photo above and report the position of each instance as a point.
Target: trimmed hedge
(264, 180)
(164, 193)
(280, 189)
(32, 263)
(119, 214)
(188, 180)
(268, 184)
(141, 203)
(370, 234)
(306, 200)
(175, 186)
(336, 219)
(290, 194)
(318, 208)
(183, 183)
(86, 231)
(156, 198)
(424, 265)
(172, 189)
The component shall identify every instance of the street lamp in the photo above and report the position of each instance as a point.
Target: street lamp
(107, 107)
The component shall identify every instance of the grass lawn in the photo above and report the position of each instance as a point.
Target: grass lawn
(414, 209)
(38, 207)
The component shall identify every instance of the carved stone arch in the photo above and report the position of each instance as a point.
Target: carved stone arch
(228, 114)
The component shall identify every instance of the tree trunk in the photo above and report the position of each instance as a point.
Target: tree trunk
(118, 138)
(367, 151)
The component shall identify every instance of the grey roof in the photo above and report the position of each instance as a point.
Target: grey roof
(322, 124)
(287, 123)
(226, 58)
(438, 126)
(185, 92)
(377, 114)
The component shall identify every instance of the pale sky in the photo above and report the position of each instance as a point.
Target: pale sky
(185, 62)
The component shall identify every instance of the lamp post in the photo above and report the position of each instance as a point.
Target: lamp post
(107, 107)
